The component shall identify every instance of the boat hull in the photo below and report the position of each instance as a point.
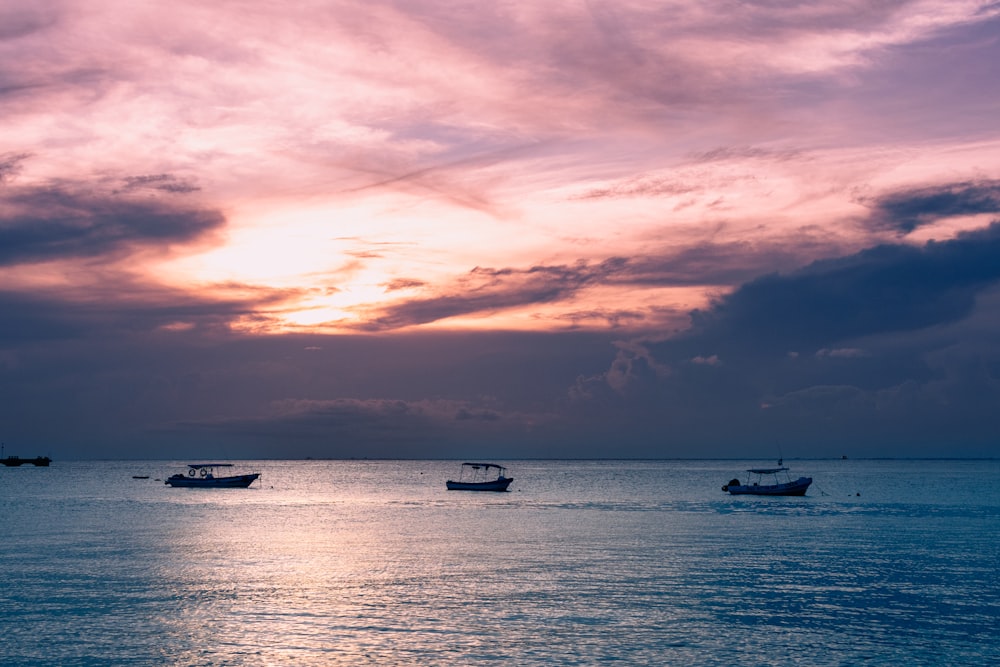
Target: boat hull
(493, 485)
(232, 482)
(796, 488)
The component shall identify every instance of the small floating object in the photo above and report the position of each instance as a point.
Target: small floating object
(140, 476)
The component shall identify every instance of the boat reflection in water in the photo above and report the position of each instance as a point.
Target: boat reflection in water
(203, 475)
(480, 477)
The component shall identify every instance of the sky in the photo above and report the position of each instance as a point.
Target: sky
(671, 229)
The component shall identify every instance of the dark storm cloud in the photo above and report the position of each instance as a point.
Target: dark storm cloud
(883, 289)
(121, 305)
(890, 350)
(88, 231)
(63, 222)
(909, 209)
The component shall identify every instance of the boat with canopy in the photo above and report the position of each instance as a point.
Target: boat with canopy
(481, 477)
(769, 482)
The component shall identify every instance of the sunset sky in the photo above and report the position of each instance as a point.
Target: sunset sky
(468, 229)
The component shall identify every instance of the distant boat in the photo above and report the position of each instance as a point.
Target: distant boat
(12, 461)
(140, 476)
(202, 476)
(480, 477)
(755, 486)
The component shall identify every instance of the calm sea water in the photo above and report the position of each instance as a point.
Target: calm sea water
(581, 563)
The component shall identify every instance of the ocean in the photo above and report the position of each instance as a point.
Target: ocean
(883, 562)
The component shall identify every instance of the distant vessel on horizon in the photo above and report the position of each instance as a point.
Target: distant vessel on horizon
(11, 461)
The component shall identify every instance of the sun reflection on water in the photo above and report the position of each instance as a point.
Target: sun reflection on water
(348, 563)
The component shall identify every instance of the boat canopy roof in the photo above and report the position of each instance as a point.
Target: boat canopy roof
(765, 471)
(484, 465)
(210, 465)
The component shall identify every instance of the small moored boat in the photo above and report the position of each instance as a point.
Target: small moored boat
(480, 477)
(202, 475)
(777, 486)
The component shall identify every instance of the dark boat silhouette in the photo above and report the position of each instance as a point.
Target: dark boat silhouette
(479, 477)
(202, 476)
(12, 461)
(778, 486)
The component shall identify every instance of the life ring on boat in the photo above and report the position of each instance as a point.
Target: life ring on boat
(191, 472)
(204, 471)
